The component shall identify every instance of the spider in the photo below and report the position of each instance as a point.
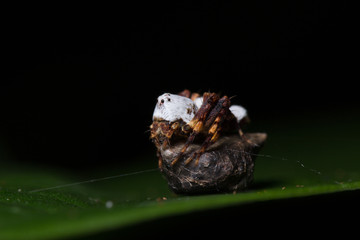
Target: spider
(192, 117)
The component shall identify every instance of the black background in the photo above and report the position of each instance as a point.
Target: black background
(80, 84)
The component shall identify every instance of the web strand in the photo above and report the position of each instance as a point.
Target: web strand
(93, 180)
(156, 169)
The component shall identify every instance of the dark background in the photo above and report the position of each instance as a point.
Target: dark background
(79, 85)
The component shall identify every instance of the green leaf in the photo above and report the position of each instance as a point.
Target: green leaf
(301, 158)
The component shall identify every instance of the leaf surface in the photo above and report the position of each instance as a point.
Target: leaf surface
(299, 160)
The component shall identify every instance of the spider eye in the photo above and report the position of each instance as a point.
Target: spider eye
(169, 99)
(162, 101)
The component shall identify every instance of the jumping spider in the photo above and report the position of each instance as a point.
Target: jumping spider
(187, 116)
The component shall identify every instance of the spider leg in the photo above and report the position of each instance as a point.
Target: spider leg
(197, 123)
(242, 135)
(210, 99)
(156, 142)
(208, 141)
(161, 135)
(185, 93)
(158, 153)
(214, 122)
(194, 96)
(169, 133)
(188, 94)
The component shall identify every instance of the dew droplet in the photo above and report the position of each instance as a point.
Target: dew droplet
(109, 204)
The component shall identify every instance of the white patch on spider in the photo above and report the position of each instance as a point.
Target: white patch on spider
(171, 107)
(199, 101)
(238, 111)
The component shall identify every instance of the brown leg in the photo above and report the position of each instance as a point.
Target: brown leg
(158, 152)
(197, 123)
(210, 100)
(185, 93)
(214, 122)
(169, 133)
(242, 135)
(188, 142)
(160, 158)
(194, 96)
(208, 141)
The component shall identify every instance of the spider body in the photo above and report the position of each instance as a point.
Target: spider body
(194, 118)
